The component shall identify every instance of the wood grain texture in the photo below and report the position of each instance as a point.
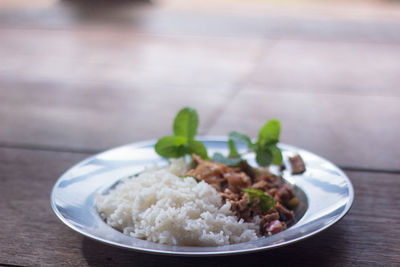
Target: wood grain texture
(370, 21)
(96, 90)
(96, 116)
(32, 235)
(347, 129)
(79, 78)
(123, 57)
(330, 67)
(350, 130)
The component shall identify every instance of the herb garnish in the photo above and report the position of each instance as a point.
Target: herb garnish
(265, 148)
(185, 129)
(218, 157)
(265, 201)
(182, 142)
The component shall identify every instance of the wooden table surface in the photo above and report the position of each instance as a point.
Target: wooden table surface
(76, 79)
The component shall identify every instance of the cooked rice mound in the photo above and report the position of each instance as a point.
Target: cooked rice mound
(160, 206)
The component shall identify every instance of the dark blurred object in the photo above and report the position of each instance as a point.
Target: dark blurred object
(115, 10)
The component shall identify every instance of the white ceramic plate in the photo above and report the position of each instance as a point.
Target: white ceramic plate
(325, 193)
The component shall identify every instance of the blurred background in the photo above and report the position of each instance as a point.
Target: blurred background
(90, 75)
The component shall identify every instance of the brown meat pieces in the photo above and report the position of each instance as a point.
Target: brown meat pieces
(269, 223)
(260, 185)
(219, 175)
(284, 214)
(229, 182)
(240, 208)
(237, 180)
(247, 169)
(272, 181)
(229, 195)
(275, 220)
(239, 205)
(210, 172)
(297, 164)
(284, 194)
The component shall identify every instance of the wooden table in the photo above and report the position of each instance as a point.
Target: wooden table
(75, 80)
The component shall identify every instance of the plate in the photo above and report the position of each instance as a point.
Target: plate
(325, 192)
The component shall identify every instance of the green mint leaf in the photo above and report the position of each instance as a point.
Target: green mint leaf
(171, 146)
(238, 137)
(263, 157)
(218, 157)
(197, 148)
(265, 201)
(276, 154)
(233, 153)
(186, 123)
(269, 133)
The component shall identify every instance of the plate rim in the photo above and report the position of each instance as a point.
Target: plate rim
(216, 138)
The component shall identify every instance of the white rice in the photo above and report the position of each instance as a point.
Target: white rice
(160, 206)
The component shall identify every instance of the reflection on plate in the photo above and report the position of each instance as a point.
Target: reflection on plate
(325, 194)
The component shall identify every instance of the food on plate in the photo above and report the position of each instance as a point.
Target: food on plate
(251, 193)
(160, 206)
(297, 164)
(201, 201)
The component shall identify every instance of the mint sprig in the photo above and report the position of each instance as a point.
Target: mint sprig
(265, 148)
(238, 137)
(186, 123)
(233, 158)
(233, 153)
(218, 157)
(269, 133)
(171, 146)
(182, 142)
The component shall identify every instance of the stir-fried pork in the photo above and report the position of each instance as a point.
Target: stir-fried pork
(230, 182)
